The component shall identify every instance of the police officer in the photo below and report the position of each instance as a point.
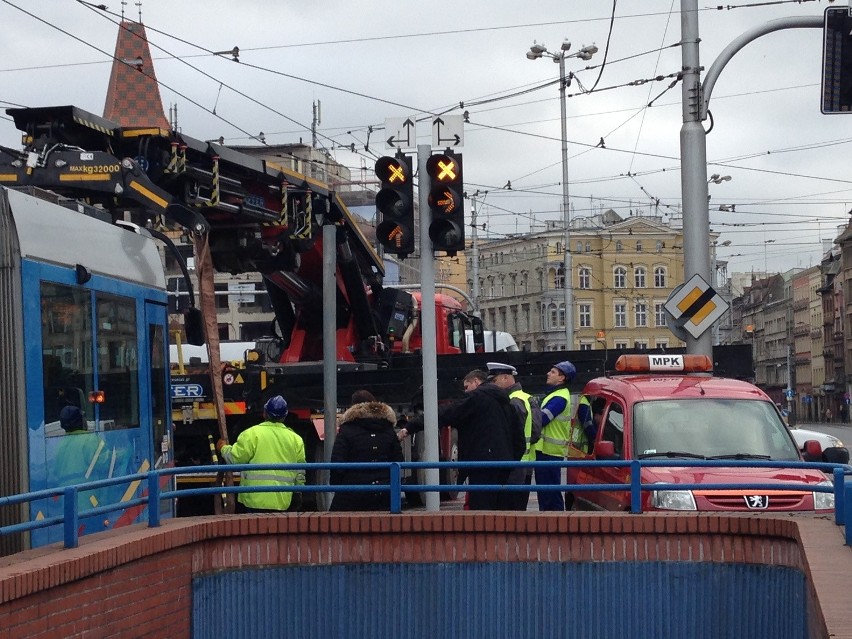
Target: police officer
(556, 433)
(504, 376)
(270, 442)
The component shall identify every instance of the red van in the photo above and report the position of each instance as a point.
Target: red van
(667, 407)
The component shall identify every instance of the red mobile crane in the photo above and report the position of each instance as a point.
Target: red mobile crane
(254, 216)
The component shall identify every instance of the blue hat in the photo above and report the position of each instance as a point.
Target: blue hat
(566, 368)
(71, 418)
(276, 407)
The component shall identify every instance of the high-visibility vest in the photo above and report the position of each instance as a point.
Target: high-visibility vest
(578, 435)
(529, 455)
(267, 443)
(555, 436)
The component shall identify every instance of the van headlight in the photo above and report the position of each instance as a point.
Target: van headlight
(674, 500)
(824, 501)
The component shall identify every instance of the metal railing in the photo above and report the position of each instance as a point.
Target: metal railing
(842, 488)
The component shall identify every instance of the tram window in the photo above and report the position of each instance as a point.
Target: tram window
(118, 365)
(66, 337)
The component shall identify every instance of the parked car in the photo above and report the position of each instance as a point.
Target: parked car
(826, 441)
(668, 407)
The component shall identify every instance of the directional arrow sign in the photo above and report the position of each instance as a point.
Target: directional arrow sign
(448, 131)
(695, 306)
(400, 133)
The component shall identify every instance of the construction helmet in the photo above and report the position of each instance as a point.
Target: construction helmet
(71, 418)
(566, 368)
(276, 407)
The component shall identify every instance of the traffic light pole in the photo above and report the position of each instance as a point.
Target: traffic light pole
(693, 143)
(427, 319)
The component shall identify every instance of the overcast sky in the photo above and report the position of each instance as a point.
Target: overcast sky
(790, 166)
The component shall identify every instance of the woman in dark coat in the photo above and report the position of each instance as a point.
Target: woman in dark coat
(366, 434)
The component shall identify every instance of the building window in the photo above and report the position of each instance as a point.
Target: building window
(660, 246)
(579, 247)
(620, 314)
(559, 278)
(659, 314)
(638, 246)
(585, 346)
(660, 277)
(639, 277)
(562, 316)
(619, 277)
(661, 343)
(525, 313)
(588, 247)
(641, 314)
(641, 344)
(619, 246)
(502, 286)
(621, 346)
(585, 315)
(554, 316)
(585, 277)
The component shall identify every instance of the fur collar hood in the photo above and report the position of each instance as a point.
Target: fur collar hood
(370, 410)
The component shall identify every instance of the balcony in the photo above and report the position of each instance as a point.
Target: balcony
(816, 333)
(801, 330)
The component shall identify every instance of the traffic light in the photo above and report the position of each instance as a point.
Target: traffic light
(837, 61)
(446, 202)
(395, 203)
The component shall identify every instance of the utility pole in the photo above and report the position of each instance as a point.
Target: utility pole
(693, 172)
(568, 267)
(474, 258)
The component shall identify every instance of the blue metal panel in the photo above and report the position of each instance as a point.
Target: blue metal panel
(651, 600)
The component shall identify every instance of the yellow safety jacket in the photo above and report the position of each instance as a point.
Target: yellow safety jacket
(555, 436)
(578, 435)
(267, 443)
(529, 455)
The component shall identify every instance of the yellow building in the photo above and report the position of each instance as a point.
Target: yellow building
(623, 272)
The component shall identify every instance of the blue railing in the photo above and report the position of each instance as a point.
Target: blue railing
(842, 487)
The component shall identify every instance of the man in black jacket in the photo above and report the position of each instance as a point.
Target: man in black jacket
(488, 431)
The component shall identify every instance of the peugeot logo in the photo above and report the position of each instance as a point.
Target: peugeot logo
(757, 502)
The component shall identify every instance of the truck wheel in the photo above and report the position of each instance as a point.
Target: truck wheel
(450, 476)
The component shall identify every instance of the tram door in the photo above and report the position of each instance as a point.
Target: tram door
(97, 347)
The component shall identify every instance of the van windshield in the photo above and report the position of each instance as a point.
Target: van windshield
(711, 428)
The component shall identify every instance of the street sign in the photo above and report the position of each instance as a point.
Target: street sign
(695, 306)
(400, 133)
(448, 131)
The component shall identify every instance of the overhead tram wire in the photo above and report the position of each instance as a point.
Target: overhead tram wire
(101, 12)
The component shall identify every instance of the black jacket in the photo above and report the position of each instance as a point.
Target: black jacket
(366, 434)
(489, 427)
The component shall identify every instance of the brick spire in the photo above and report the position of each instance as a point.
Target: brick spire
(133, 97)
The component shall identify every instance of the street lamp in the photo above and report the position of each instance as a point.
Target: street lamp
(718, 179)
(538, 51)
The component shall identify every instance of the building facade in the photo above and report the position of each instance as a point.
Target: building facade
(623, 272)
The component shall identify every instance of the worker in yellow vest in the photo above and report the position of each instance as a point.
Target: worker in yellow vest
(504, 376)
(555, 433)
(270, 442)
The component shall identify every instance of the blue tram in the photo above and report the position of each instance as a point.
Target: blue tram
(83, 323)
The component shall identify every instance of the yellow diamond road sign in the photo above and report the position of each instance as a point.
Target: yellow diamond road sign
(696, 306)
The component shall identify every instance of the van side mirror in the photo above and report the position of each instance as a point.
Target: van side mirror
(193, 324)
(604, 450)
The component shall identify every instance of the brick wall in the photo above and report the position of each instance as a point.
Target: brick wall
(137, 582)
